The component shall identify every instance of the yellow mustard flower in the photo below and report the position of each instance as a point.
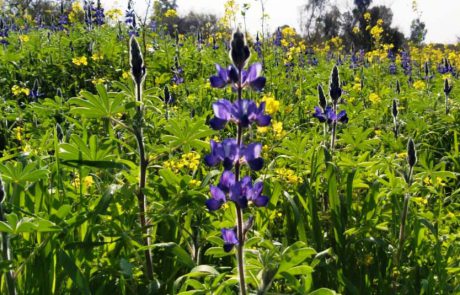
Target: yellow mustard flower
(97, 56)
(419, 85)
(374, 98)
(18, 90)
(78, 61)
(271, 104)
(24, 38)
(170, 13)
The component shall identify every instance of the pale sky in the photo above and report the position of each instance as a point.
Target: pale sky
(442, 17)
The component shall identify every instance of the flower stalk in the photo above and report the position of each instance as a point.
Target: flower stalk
(138, 73)
(411, 159)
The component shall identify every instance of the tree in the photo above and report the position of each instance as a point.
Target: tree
(417, 31)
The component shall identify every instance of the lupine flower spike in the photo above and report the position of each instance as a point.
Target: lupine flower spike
(394, 113)
(411, 160)
(232, 152)
(447, 90)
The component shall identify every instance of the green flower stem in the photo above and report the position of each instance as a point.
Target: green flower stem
(142, 201)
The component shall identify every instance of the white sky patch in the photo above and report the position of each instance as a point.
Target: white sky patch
(442, 17)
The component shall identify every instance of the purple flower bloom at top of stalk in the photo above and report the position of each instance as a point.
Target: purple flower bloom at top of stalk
(229, 153)
(328, 115)
(243, 112)
(229, 75)
(229, 237)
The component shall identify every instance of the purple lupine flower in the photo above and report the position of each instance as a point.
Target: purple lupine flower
(252, 77)
(258, 46)
(99, 15)
(244, 192)
(230, 153)
(406, 63)
(392, 68)
(242, 112)
(328, 115)
(217, 199)
(229, 237)
(354, 61)
(226, 151)
(278, 37)
(224, 76)
(251, 155)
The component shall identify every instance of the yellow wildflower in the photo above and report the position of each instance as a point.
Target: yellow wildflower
(97, 81)
(271, 104)
(17, 90)
(367, 16)
(114, 13)
(97, 56)
(419, 85)
(278, 129)
(170, 13)
(88, 181)
(374, 98)
(19, 133)
(82, 60)
(194, 183)
(24, 38)
(125, 75)
(288, 175)
(262, 129)
(356, 30)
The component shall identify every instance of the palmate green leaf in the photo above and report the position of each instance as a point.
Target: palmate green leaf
(15, 172)
(187, 134)
(77, 151)
(101, 105)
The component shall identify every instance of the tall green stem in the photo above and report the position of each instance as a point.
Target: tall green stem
(239, 211)
(334, 127)
(142, 201)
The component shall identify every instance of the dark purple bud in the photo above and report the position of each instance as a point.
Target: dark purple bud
(137, 62)
(411, 153)
(447, 87)
(321, 97)
(239, 51)
(2, 191)
(334, 85)
(394, 108)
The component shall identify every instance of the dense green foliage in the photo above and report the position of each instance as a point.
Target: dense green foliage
(69, 165)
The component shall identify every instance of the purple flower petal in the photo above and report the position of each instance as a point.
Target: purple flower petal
(217, 82)
(230, 239)
(258, 84)
(217, 124)
(256, 164)
(342, 117)
(227, 180)
(261, 201)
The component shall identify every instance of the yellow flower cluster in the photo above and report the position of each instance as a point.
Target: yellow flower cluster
(367, 16)
(77, 10)
(114, 14)
(231, 8)
(170, 13)
(17, 90)
(356, 29)
(97, 56)
(374, 98)
(271, 104)
(97, 81)
(189, 160)
(194, 183)
(288, 175)
(82, 60)
(87, 181)
(427, 180)
(125, 75)
(24, 38)
(18, 131)
(419, 85)
(377, 30)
